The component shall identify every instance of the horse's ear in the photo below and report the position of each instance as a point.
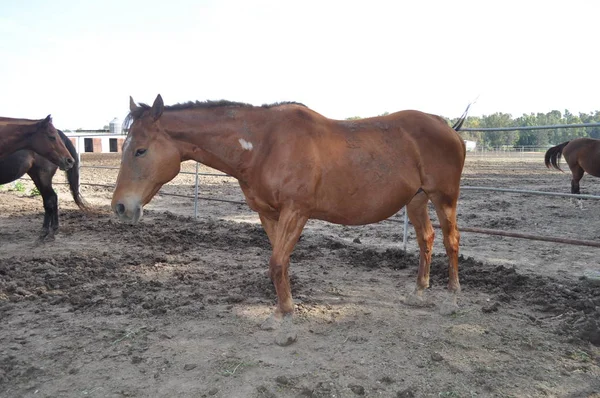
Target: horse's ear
(132, 106)
(47, 121)
(157, 108)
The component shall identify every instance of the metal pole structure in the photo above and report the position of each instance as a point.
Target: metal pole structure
(553, 126)
(527, 192)
(405, 236)
(78, 165)
(196, 195)
(486, 231)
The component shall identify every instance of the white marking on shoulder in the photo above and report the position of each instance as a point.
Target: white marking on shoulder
(246, 144)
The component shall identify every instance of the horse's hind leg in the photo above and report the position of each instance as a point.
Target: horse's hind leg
(577, 172)
(445, 206)
(419, 217)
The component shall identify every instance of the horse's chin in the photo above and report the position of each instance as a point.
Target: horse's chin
(65, 166)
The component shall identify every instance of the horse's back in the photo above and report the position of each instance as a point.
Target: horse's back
(422, 138)
(369, 168)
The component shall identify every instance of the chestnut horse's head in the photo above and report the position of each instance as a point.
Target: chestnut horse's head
(150, 159)
(45, 140)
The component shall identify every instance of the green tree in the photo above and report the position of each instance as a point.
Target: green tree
(530, 137)
(592, 132)
(498, 138)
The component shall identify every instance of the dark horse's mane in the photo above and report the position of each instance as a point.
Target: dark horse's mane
(143, 108)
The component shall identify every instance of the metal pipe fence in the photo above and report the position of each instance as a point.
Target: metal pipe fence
(499, 150)
(522, 128)
(405, 220)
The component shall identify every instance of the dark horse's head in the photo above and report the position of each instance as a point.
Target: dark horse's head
(43, 138)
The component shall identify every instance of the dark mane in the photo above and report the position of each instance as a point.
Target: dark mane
(142, 108)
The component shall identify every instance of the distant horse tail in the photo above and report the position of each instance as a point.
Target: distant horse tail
(458, 125)
(73, 173)
(553, 155)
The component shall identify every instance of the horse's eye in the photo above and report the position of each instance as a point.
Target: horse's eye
(52, 138)
(140, 152)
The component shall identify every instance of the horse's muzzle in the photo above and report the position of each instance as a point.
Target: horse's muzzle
(66, 164)
(131, 213)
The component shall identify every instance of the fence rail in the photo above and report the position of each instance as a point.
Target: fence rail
(405, 221)
(484, 231)
(547, 127)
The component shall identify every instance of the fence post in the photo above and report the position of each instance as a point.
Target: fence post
(196, 195)
(78, 164)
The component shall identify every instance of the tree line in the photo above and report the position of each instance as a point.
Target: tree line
(537, 138)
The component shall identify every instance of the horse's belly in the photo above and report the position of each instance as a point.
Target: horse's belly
(367, 208)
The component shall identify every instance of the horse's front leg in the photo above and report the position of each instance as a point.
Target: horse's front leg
(284, 237)
(50, 225)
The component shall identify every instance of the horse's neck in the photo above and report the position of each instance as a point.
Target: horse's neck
(12, 137)
(5, 121)
(228, 145)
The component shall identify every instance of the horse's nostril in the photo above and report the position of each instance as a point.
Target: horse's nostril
(70, 161)
(120, 208)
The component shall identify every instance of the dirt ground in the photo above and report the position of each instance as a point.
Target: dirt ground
(171, 307)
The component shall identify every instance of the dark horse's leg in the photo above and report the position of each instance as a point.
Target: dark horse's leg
(41, 173)
(577, 172)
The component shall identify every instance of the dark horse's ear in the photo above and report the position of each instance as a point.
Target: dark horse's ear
(157, 107)
(132, 106)
(46, 121)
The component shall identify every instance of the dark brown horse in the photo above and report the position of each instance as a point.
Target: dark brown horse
(582, 156)
(39, 136)
(294, 164)
(41, 171)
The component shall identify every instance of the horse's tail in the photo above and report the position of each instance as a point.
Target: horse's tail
(73, 173)
(458, 125)
(552, 157)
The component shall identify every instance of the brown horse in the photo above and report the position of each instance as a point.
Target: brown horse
(582, 155)
(39, 136)
(294, 164)
(41, 171)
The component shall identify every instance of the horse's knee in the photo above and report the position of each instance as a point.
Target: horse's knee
(51, 202)
(429, 237)
(277, 270)
(452, 239)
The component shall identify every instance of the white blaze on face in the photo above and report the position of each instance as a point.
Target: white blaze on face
(246, 144)
(126, 143)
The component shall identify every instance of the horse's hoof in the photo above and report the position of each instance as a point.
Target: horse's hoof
(273, 322)
(416, 299)
(287, 335)
(449, 307)
(284, 339)
(46, 236)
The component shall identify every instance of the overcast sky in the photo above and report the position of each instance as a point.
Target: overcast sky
(81, 60)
